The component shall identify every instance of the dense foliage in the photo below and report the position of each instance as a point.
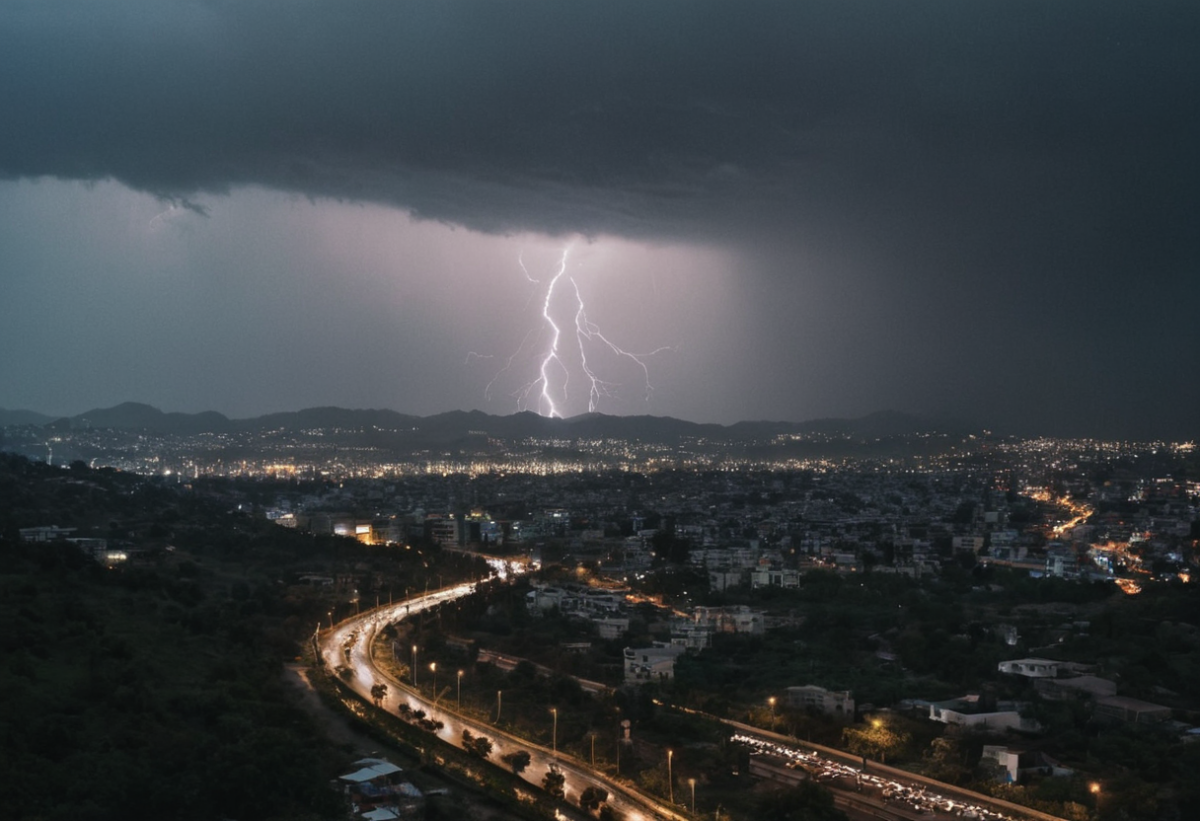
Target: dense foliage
(144, 694)
(154, 688)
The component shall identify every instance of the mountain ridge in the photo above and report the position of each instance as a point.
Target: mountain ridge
(459, 423)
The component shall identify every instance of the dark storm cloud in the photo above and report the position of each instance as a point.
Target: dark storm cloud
(646, 118)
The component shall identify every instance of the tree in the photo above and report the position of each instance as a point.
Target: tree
(555, 782)
(518, 761)
(944, 760)
(806, 802)
(476, 744)
(379, 693)
(592, 798)
(876, 739)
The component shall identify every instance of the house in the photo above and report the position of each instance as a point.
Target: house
(970, 712)
(687, 633)
(543, 598)
(1061, 689)
(45, 533)
(1125, 710)
(1014, 763)
(1007, 760)
(655, 663)
(724, 579)
(1030, 668)
(733, 619)
(788, 578)
(838, 703)
(611, 628)
(378, 791)
(1062, 562)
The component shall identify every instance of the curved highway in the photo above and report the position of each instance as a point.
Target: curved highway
(349, 644)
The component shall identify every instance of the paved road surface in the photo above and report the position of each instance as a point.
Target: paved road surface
(348, 644)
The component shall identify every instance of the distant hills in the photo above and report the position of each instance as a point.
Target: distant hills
(135, 416)
(22, 417)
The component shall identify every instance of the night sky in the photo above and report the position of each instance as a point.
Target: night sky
(986, 211)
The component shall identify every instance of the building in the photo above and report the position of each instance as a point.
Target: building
(724, 579)
(736, 618)
(1015, 763)
(378, 791)
(788, 578)
(969, 712)
(610, 627)
(1125, 710)
(1030, 668)
(543, 598)
(655, 663)
(446, 531)
(45, 533)
(837, 703)
(1062, 562)
(1061, 689)
(1005, 759)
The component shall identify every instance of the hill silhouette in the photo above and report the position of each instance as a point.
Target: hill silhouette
(462, 425)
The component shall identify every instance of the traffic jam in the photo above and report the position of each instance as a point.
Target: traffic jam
(914, 799)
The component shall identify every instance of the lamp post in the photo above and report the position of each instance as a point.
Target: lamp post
(498, 704)
(458, 701)
(415, 667)
(692, 784)
(554, 736)
(771, 701)
(670, 778)
(433, 669)
(330, 619)
(1094, 788)
(593, 737)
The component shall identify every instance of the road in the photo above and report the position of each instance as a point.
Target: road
(862, 793)
(349, 644)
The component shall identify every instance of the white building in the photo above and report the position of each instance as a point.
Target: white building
(1030, 668)
(966, 712)
(656, 663)
(788, 578)
(839, 703)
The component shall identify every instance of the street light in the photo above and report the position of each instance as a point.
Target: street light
(498, 704)
(414, 666)
(433, 667)
(692, 784)
(1094, 788)
(670, 778)
(330, 619)
(458, 701)
(771, 701)
(554, 737)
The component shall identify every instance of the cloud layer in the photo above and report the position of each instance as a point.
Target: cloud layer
(638, 118)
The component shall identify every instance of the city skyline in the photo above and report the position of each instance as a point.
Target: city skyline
(982, 213)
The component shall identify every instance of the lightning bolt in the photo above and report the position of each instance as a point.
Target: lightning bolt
(487, 392)
(521, 262)
(586, 330)
(552, 358)
(159, 219)
(548, 392)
